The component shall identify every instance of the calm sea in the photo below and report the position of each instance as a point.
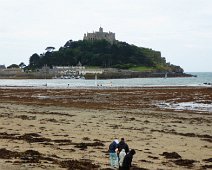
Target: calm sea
(202, 77)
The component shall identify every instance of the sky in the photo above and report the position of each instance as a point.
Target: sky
(180, 29)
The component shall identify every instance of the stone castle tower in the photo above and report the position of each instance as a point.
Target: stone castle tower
(100, 35)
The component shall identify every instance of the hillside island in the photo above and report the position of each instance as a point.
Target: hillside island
(99, 53)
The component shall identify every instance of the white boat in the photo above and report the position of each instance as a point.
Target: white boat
(110, 84)
(102, 85)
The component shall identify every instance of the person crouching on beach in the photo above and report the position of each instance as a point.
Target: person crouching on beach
(121, 158)
(127, 162)
(113, 154)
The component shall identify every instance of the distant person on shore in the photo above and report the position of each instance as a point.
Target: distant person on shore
(113, 147)
(127, 162)
(123, 145)
(121, 158)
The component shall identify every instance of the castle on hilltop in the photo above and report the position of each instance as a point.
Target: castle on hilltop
(100, 35)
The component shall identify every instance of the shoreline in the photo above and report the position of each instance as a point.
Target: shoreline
(202, 80)
(117, 74)
(107, 87)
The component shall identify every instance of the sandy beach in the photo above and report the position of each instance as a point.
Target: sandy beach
(72, 128)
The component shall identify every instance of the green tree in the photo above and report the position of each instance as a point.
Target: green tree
(13, 66)
(50, 49)
(22, 65)
(102, 54)
(34, 61)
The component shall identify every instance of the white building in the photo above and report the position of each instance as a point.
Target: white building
(75, 70)
(90, 71)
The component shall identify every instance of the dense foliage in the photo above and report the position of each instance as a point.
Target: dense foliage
(100, 53)
(13, 66)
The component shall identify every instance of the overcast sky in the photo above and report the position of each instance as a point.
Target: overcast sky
(180, 29)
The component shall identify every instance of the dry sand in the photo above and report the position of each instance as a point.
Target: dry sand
(72, 128)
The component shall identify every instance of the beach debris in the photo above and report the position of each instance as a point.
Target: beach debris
(25, 117)
(84, 146)
(7, 154)
(171, 155)
(29, 156)
(204, 137)
(137, 168)
(33, 137)
(147, 161)
(86, 138)
(207, 167)
(207, 160)
(153, 157)
(184, 162)
(62, 141)
(79, 165)
(32, 156)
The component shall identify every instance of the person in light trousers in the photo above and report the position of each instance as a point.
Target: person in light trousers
(113, 154)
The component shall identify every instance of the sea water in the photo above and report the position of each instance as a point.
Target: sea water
(200, 80)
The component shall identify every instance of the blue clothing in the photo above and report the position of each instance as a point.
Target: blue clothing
(112, 147)
(113, 160)
(113, 154)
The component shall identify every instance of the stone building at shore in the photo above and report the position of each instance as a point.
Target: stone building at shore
(100, 35)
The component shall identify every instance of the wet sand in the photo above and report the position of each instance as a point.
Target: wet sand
(72, 128)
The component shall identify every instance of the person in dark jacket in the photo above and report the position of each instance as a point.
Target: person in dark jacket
(127, 163)
(113, 154)
(123, 145)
